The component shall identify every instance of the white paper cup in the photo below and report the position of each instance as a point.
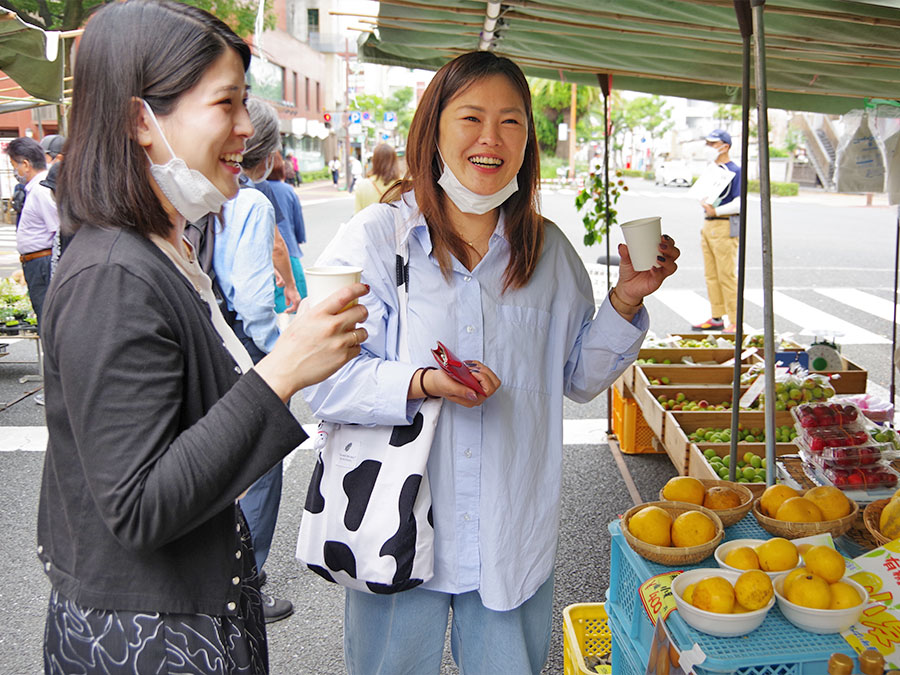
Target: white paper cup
(642, 238)
(323, 281)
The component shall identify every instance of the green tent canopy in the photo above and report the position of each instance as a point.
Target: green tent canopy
(822, 55)
(24, 58)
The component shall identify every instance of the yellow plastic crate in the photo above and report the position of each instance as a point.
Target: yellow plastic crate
(585, 633)
(629, 426)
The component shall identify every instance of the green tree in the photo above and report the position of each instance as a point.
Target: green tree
(398, 103)
(240, 15)
(551, 103)
(644, 114)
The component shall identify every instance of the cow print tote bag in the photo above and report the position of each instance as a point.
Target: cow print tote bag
(367, 521)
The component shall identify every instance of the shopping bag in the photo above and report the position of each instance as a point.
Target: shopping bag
(367, 520)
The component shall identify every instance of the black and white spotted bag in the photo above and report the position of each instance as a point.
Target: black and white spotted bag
(367, 521)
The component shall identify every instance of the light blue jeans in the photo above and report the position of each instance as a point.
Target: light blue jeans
(403, 633)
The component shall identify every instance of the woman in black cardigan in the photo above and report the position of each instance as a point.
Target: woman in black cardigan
(157, 420)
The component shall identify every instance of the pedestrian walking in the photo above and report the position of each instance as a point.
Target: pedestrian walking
(157, 419)
(503, 289)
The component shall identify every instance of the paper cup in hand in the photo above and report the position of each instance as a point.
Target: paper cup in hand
(642, 238)
(323, 281)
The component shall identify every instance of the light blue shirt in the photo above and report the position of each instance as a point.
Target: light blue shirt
(495, 470)
(40, 217)
(242, 260)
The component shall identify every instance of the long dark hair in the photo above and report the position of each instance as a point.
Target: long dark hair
(524, 224)
(151, 49)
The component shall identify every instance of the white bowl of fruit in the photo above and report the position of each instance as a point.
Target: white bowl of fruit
(721, 602)
(773, 556)
(818, 598)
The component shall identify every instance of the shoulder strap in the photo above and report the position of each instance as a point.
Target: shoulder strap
(401, 241)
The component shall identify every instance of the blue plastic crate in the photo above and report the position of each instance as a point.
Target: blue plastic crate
(624, 660)
(777, 647)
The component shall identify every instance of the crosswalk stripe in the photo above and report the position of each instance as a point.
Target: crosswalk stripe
(814, 322)
(866, 302)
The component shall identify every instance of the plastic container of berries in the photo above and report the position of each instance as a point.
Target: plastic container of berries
(824, 462)
(809, 415)
(877, 477)
(847, 457)
(820, 439)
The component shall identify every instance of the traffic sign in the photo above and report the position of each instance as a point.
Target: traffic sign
(355, 117)
(390, 120)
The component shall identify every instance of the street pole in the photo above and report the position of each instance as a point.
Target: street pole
(346, 125)
(572, 133)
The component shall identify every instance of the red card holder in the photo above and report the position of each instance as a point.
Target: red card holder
(456, 368)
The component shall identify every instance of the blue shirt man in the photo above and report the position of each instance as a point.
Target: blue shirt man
(717, 241)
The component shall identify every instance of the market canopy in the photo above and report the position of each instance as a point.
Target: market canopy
(33, 59)
(822, 55)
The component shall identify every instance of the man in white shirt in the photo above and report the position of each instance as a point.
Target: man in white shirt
(39, 220)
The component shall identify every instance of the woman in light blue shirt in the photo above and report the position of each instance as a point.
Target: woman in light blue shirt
(502, 287)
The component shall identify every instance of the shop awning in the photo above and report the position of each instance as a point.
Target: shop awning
(823, 55)
(33, 59)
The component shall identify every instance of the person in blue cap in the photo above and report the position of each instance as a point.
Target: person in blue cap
(718, 239)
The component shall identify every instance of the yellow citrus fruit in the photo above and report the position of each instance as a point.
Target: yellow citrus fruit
(889, 521)
(652, 525)
(688, 594)
(714, 594)
(753, 589)
(718, 498)
(772, 498)
(831, 501)
(843, 595)
(810, 590)
(798, 510)
(896, 494)
(826, 562)
(684, 489)
(742, 558)
(803, 548)
(692, 528)
(789, 579)
(777, 555)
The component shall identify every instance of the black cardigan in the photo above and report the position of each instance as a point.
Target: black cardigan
(153, 434)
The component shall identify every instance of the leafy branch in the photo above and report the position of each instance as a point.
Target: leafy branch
(599, 207)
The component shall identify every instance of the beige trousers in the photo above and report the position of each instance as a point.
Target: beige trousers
(719, 262)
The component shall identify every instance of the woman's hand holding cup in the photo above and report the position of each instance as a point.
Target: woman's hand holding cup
(320, 340)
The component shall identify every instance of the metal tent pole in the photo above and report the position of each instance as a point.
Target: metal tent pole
(604, 80)
(762, 108)
(894, 323)
(745, 23)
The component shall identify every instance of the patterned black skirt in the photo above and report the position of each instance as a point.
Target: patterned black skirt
(83, 641)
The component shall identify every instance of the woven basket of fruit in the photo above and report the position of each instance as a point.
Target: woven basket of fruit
(793, 530)
(731, 501)
(672, 533)
(872, 517)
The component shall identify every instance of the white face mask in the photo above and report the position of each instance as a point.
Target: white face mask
(712, 152)
(191, 193)
(472, 202)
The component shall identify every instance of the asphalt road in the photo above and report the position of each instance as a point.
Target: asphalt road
(819, 242)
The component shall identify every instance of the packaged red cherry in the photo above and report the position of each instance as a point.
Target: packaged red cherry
(843, 458)
(875, 477)
(810, 415)
(818, 439)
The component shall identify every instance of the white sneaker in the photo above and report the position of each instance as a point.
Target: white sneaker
(39, 398)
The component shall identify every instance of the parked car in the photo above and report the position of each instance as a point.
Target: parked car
(673, 172)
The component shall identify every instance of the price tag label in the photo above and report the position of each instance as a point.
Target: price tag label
(656, 595)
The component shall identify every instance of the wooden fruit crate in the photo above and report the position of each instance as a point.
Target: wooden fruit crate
(648, 399)
(852, 379)
(698, 467)
(698, 355)
(679, 424)
(688, 376)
